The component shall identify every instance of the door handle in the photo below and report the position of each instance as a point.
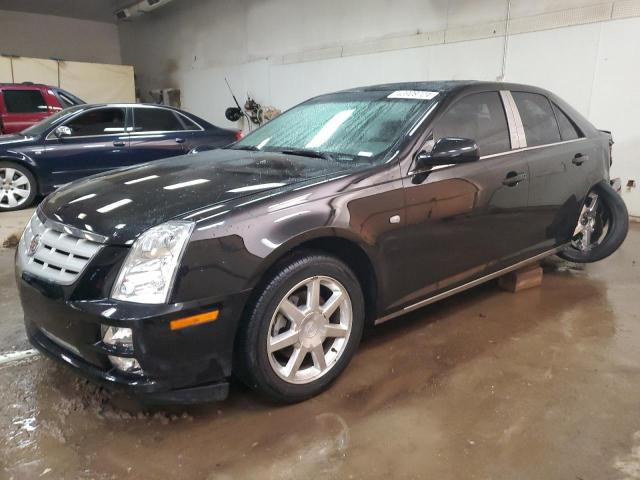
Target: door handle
(579, 159)
(514, 178)
(118, 143)
(179, 140)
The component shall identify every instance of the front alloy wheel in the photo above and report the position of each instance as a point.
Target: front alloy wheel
(302, 330)
(17, 187)
(309, 330)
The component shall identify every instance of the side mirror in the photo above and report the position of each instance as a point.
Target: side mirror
(448, 151)
(62, 131)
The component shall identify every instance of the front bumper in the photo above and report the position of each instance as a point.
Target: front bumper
(190, 365)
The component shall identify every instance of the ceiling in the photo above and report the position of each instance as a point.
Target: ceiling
(99, 10)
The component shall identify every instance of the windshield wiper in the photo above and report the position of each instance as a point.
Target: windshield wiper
(307, 153)
(251, 148)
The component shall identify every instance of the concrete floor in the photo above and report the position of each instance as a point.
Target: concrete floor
(543, 384)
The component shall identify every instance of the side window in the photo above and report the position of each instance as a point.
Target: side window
(24, 101)
(155, 120)
(103, 121)
(480, 117)
(568, 129)
(65, 102)
(540, 126)
(188, 123)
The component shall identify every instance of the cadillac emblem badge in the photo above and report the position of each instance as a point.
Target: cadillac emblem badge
(33, 246)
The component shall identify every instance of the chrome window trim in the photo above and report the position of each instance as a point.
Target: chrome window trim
(526, 149)
(514, 122)
(495, 155)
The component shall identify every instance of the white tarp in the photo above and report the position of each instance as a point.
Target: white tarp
(92, 82)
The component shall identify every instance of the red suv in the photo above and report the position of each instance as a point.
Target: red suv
(23, 104)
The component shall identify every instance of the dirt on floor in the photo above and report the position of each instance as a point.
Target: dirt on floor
(542, 384)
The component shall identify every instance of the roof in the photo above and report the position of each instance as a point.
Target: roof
(443, 86)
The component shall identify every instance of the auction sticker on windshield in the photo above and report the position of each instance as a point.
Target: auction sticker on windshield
(413, 94)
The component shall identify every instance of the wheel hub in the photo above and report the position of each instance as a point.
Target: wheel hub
(312, 330)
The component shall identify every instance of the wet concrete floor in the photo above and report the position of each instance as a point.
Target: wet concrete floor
(542, 384)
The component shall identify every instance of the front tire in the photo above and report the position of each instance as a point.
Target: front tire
(602, 226)
(303, 329)
(17, 187)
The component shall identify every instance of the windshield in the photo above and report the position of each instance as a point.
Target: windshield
(348, 126)
(43, 125)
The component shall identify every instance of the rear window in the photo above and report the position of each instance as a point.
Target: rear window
(24, 101)
(540, 126)
(155, 120)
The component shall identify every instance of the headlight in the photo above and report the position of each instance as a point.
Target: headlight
(148, 271)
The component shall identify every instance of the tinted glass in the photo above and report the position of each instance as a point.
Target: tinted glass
(24, 101)
(540, 126)
(568, 130)
(65, 101)
(357, 127)
(43, 125)
(188, 123)
(479, 117)
(155, 120)
(104, 121)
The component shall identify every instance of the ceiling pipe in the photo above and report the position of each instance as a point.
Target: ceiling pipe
(140, 8)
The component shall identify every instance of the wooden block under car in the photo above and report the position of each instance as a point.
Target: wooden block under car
(521, 279)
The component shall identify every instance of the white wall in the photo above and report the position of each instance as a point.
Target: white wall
(283, 51)
(45, 36)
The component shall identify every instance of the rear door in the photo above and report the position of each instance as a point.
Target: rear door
(559, 160)
(465, 220)
(157, 133)
(98, 143)
(22, 107)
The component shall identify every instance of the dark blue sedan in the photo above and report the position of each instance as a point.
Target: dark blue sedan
(89, 139)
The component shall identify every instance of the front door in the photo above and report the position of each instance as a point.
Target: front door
(464, 221)
(98, 142)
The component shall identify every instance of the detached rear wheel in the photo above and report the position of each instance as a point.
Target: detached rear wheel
(602, 226)
(17, 187)
(303, 330)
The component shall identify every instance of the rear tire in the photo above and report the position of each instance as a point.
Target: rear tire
(303, 329)
(603, 224)
(18, 187)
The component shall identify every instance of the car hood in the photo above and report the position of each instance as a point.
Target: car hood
(14, 139)
(122, 204)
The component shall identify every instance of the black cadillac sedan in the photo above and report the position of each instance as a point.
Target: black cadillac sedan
(265, 260)
(88, 139)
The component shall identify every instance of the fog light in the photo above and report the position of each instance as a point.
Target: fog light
(122, 340)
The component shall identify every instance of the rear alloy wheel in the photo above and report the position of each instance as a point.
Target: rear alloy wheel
(303, 330)
(602, 226)
(17, 187)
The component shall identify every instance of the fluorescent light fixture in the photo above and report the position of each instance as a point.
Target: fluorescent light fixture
(263, 143)
(190, 183)
(84, 197)
(200, 212)
(114, 205)
(143, 179)
(253, 188)
(329, 129)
